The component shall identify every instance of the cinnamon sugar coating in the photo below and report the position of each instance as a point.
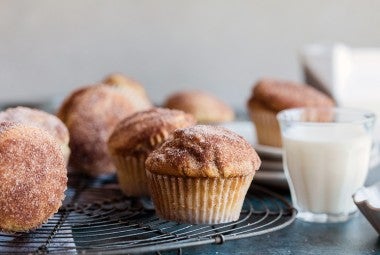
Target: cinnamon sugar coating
(137, 134)
(91, 113)
(278, 95)
(118, 79)
(205, 107)
(53, 125)
(204, 151)
(33, 177)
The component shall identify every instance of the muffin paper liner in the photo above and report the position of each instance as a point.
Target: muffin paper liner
(131, 175)
(131, 169)
(267, 128)
(198, 200)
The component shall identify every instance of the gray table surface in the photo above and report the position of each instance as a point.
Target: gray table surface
(353, 237)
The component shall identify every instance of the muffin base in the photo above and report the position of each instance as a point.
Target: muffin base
(198, 200)
(131, 175)
(267, 127)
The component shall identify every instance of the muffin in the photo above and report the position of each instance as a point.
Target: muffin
(135, 137)
(271, 96)
(201, 175)
(132, 86)
(91, 113)
(206, 108)
(33, 177)
(40, 119)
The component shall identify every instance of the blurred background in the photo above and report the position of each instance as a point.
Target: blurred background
(48, 48)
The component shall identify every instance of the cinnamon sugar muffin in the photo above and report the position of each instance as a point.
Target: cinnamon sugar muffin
(119, 79)
(33, 177)
(270, 96)
(40, 119)
(134, 87)
(201, 175)
(205, 107)
(90, 114)
(135, 137)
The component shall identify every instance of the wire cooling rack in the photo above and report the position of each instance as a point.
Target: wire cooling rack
(97, 218)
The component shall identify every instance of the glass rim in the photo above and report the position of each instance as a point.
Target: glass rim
(365, 116)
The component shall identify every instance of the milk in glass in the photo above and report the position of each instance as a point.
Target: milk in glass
(326, 165)
(326, 156)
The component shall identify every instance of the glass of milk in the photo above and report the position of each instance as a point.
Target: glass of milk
(326, 154)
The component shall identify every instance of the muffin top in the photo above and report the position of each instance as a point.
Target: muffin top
(136, 100)
(205, 107)
(141, 131)
(278, 95)
(37, 118)
(91, 113)
(127, 83)
(33, 176)
(204, 151)
(118, 79)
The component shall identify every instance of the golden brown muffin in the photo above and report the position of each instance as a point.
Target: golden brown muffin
(129, 84)
(201, 175)
(33, 177)
(205, 107)
(135, 137)
(40, 119)
(269, 96)
(119, 79)
(90, 114)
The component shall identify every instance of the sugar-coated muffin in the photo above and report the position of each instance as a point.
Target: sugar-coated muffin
(118, 79)
(91, 113)
(40, 119)
(33, 177)
(135, 137)
(206, 108)
(269, 96)
(201, 175)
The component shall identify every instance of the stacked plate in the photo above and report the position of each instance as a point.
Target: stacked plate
(271, 171)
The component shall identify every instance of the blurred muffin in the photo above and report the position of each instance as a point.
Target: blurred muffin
(206, 108)
(134, 87)
(91, 113)
(135, 137)
(201, 175)
(269, 96)
(40, 119)
(33, 177)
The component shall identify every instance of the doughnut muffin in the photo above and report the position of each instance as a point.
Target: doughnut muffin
(40, 119)
(33, 177)
(91, 113)
(206, 108)
(270, 96)
(201, 175)
(118, 79)
(135, 137)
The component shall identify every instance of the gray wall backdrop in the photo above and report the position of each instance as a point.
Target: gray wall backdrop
(48, 48)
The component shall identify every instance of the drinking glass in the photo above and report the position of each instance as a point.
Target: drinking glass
(326, 155)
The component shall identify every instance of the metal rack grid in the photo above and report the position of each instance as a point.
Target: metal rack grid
(97, 218)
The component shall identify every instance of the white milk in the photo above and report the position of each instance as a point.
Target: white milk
(326, 164)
